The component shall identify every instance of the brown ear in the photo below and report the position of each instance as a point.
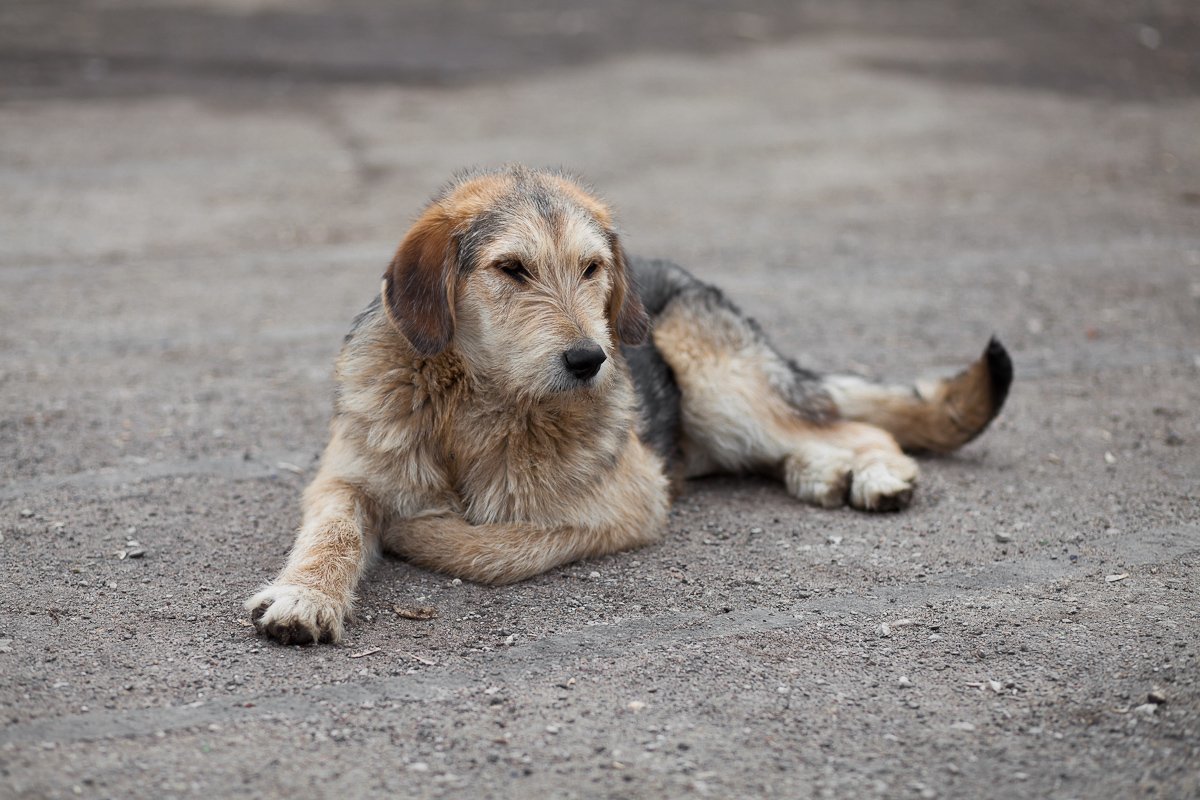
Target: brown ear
(626, 314)
(418, 287)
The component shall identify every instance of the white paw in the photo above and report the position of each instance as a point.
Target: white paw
(293, 614)
(883, 484)
(822, 478)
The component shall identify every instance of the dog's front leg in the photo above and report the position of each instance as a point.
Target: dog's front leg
(508, 552)
(314, 592)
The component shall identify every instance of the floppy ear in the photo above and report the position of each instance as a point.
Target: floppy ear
(418, 287)
(626, 314)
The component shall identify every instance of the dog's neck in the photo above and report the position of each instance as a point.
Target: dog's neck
(510, 455)
(586, 414)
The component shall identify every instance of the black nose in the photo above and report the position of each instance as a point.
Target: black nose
(584, 359)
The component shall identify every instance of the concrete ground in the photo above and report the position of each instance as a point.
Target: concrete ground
(198, 196)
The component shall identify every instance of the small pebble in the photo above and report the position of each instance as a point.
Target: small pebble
(903, 682)
(1146, 708)
(963, 726)
(1156, 696)
(26, 512)
(552, 730)
(455, 582)
(1003, 538)
(594, 575)
(1109, 458)
(1148, 37)
(756, 530)
(418, 766)
(635, 706)
(415, 612)
(885, 630)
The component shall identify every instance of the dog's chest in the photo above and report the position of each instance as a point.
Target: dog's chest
(535, 465)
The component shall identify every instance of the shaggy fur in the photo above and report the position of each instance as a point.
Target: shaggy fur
(477, 431)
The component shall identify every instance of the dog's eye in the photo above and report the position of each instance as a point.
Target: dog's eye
(591, 269)
(513, 269)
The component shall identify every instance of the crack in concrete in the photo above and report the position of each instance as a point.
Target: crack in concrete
(231, 467)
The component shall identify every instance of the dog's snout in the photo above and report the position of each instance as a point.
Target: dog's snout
(583, 360)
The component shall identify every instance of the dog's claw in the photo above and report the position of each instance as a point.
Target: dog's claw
(296, 615)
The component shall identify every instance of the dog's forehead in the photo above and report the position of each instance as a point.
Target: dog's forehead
(536, 224)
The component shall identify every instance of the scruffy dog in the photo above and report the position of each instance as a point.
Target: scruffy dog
(523, 394)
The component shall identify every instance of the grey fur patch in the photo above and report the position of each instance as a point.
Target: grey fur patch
(657, 282)
(527, 195)
(361, 318)
(659, 420)
(661, 283)
(483, 229)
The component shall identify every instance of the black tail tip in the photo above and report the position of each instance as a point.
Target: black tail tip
(1000, 372)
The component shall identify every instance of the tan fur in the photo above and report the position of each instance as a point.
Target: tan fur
(735, 420)
(626, 509)
(314, 593)
(934, 416)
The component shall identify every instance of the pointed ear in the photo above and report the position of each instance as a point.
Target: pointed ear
(418, 287)
(626, 314)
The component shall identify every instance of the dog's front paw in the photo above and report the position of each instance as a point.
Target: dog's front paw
(292, 614)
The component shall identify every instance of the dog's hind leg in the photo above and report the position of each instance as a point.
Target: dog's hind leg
(745, 408)
(935, 416)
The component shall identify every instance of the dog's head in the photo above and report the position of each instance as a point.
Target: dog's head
(523, 274)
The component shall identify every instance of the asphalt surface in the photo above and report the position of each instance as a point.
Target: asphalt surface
(196, 198)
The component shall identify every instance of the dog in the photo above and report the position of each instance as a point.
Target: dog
(523, 394)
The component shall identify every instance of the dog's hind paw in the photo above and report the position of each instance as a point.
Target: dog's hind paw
(292, 614)
(883, 485)
(821, 478)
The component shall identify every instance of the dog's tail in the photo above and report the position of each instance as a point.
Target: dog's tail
(937, 416)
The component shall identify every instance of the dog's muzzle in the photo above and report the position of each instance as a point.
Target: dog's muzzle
(583, 360)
